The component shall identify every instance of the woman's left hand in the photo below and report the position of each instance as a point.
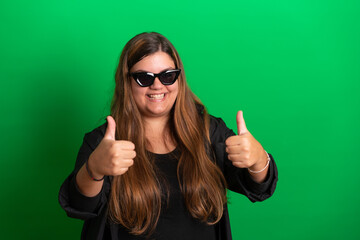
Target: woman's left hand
(244, 151)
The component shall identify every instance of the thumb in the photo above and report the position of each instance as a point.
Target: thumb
(241, 123)
(111, 128)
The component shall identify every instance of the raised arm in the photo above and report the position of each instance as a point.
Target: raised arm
(111, 157)
(244, 151)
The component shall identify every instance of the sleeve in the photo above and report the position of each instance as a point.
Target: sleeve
(75, 204)
(239, 179)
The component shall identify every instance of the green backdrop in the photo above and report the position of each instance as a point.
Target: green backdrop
(292, 66)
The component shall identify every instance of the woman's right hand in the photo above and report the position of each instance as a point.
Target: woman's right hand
(111, 157)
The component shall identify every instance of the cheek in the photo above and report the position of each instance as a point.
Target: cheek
(174, 89)
(137, 91)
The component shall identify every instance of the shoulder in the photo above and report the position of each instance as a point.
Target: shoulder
(219, 132)
(94, 137)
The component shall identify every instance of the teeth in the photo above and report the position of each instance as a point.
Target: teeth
(156, 96)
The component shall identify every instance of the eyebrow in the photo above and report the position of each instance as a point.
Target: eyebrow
(165, 69)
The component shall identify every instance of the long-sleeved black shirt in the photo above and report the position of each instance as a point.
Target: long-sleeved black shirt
(175, 220)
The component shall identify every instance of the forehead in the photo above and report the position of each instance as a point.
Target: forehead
(156, 62)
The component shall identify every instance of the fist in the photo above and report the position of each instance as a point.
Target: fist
(244, 151)
(111, 157)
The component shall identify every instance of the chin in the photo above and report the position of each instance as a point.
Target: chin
(158, 113)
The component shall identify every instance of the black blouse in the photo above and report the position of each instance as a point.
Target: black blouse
(175, 221)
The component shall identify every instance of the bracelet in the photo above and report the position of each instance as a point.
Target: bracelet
(267, 164)
(90, 174)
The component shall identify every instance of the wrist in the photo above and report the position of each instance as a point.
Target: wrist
(261, 165)
(91, 173)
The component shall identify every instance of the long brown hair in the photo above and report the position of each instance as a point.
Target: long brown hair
(135, 200)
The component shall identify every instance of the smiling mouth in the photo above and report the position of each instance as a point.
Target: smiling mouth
(156, 96)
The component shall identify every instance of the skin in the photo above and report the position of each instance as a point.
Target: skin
(150, 107)
(244, 151)
(156, 112)
(114, 157)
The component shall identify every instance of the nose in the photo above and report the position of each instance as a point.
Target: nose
(156, 84)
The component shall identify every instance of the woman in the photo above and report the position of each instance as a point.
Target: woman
(160, 166)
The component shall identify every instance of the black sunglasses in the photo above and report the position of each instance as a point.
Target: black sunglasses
(145, 79)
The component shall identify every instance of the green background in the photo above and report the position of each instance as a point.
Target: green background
(292, 66)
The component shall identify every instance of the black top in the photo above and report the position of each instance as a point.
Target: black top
(93, 210)
(175, 222)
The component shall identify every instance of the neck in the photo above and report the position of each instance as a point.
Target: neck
(155, 126)
(158, 134)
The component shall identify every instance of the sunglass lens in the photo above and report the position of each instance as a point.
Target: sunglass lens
(144, 79)
(168, 77)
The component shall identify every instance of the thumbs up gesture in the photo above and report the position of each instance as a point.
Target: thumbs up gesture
(111, 157)
(244, 151)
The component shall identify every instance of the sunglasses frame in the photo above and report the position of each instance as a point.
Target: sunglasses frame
(134, 75)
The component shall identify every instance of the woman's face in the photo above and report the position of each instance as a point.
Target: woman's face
(157, 99)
